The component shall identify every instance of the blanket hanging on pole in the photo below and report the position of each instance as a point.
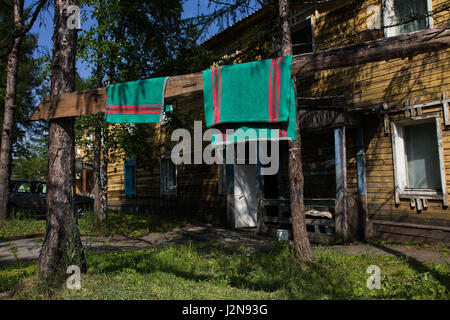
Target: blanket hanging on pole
(257, 95)
(136, 101)
(286, 130)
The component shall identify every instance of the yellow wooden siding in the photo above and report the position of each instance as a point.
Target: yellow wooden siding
(380, 176)
(196, 184)
(396, 82)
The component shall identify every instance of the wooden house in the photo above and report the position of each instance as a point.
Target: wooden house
(375, 137)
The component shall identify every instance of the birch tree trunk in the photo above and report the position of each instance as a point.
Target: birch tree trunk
(8, 118)
(62, 245)
(296, 181)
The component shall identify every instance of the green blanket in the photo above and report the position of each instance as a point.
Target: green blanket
(136, 102)
(259, 131)
(257, 91)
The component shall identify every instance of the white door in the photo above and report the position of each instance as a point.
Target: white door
(245, 196)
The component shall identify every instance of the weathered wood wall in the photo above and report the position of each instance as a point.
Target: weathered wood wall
(361, 89)
(398, 83)
(197, 184)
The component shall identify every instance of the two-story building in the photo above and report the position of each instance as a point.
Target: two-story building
(376, 139)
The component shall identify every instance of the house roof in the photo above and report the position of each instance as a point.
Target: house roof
(240, 24)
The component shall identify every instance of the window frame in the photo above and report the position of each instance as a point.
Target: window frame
(387, 20)
(302, 24)
(399, 161)
(164, 190)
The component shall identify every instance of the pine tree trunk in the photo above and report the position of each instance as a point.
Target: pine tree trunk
(104, 180)
(99, 213)
(62, 245)
(296, 181)
(8, 119)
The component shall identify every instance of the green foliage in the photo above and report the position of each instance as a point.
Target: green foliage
(33, 165)
(29, 86)
(223, 271)
(130, 41)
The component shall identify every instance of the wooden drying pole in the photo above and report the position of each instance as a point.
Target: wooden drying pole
(403, 46)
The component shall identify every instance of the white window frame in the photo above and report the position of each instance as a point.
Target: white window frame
(399, 161)
(165, 190)
(387, 19)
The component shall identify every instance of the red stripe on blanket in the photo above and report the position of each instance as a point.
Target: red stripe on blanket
(134, 109)
(274, 83)
(275, 91)
(270, 90)
(135, 106)
(219, 92)
(278, 89)
(133, 112)
(214, 97)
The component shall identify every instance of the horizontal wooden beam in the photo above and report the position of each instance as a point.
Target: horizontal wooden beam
(308, 221)
(403, 46)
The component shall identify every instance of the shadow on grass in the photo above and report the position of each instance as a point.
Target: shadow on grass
(417, 265)
(272, 271)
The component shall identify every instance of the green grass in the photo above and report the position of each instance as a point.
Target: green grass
(130, 224)
(11, 275)
(216, 271)
(117, 223)
(21, 228)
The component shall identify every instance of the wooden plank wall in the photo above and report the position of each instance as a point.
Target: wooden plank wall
(197, 184)
(398, 82)
(395, 82)
(380, 177)
(421, 78)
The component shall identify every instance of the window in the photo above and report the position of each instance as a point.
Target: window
(406, 16)
(168, 176)
(24, 187)
(129, 172)
(422, 158)
(418, 158)
(302, 37)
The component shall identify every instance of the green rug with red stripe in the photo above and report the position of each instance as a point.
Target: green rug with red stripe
(257, 95)
(136, 101)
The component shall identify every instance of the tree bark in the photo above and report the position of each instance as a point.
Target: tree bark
(99, 205)
(99, 213)
(104, 180)
(296, 181)
(8, 118)
(62, 245)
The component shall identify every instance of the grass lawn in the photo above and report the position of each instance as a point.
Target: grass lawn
(117, 223)
(214, 271)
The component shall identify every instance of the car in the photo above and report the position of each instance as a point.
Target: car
(31, 196)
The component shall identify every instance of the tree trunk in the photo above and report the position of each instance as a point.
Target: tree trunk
(62, 245)
(104, 178)
(296, 181)
(99, 205)
(99, 213)
(8, 119)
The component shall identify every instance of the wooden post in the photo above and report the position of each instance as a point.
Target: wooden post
(341, 184)
(230, 194)
(84, 181)
(361, 169)
(261, 227)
